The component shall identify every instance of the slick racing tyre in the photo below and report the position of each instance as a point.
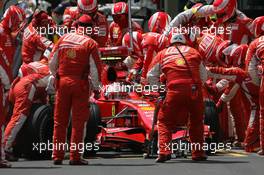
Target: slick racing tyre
(211, 119)
(92, 129)
(37, 131)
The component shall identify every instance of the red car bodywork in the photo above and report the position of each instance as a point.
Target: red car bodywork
(128, 119)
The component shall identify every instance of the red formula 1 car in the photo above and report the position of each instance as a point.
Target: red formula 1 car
(125, 116)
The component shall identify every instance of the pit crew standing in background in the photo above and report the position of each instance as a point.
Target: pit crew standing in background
(10, 26)
(228, 16)
(100, 25)
(136, 54)
(73, 59)
(4, 87)
(181, 65)
(254, 59)
(237, 30)
(154, 41)
(119, 27)
(261, 96)
(34, 44)
(57, 13)
(211, 47)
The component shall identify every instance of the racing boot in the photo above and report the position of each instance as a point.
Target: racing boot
(163, 158)
(261, 152)
(78, 162)
(57, 162)
(254, 147)
(252, 139)
(199, 155)
(5, 164)
(199, 158)
(238, 144)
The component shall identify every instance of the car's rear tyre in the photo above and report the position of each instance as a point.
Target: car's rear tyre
(38, 130)
(92, 129)
(211, 119)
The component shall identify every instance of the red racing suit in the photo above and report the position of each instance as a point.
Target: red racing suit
(250, 90)
(4, 87)
(237, 29)
(261, 97)
(31, 68)
(24, 92)
(7, 43)
(100, 24)
(182, 100)
(73, 58)
(186, 17)
(152, 43)
(254, 58)
(116, 33)
(36, 67)
(208, 48)
(33, 45)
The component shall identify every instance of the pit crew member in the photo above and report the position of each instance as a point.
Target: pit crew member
(119, 27)
(12, 23)
(73, 59)
(4, 87)
(214, 49)
(34, 44)
(154, 41)
(180, 64)
(254, 61)
(134, 60)
(99, 29)
(22, 94)
(231, 24)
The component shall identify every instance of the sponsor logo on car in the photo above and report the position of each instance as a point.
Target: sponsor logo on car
(147, 108)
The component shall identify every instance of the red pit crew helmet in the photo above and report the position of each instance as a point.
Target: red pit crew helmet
(224, 9)
(14, 18)
(257, 26)
(158, 22)
(87, 6)
(120, 14)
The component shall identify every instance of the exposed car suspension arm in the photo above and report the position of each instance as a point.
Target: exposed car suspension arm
(117, 115)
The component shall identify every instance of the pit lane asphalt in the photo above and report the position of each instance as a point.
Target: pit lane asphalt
(235, 163)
